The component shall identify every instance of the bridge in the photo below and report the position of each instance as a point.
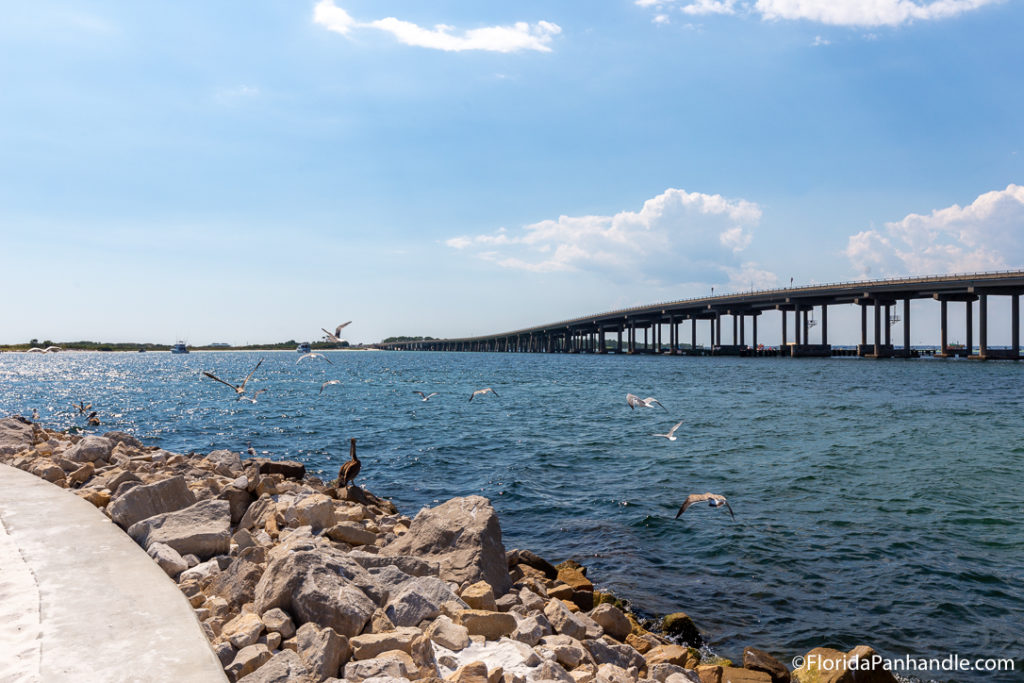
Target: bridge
(660, 323)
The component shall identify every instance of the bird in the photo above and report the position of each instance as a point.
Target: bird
(635, 401)
(48, 349)
(336, 337)
(313, 355)
(92, 420)
(714, 500)
(671, 436)
(250, 450)
(239, 389)
(426, 397)
(350, 469)
(251, 399)
(328, 383)
(481, 392)
(35, 414)
(81, 407)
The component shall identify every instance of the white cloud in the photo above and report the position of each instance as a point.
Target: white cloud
(864, 13)
(818, 41)
(660, 19)
(982, 236)
(710, 7)
(518, 36)
(675, 237)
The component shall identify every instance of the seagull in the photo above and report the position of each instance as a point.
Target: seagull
(336, 337)
(714, 500)
(329, 382)
(93, 420)
(250, 450)
(350, 469)
(35, 414)
(81, 407)
(671, 436)
(427, 397)
(251, 399)
(313, 355)
(480, 392)
(48, 349)
(634, 402)
(239, 389)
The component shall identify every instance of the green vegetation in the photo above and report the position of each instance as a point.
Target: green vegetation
(406, 339)
(135, 346)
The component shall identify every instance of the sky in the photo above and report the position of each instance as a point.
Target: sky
(250, 172)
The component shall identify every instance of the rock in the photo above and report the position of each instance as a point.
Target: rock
(825, 665)
(284, 667)
(322, 650)
(168, 558)
(479, 596)
(531, 559)
(225, 653)
(582, 588)
(680, 655)
(82, 474)
(238, 500)
(569, 652)
(124, 439)
(317, 585)
(508, 602)
(247, 660)
(551, 671)
(392, 665)
(490, 625)
(643, 642)
(50, 472)
(144, 501)
(202, 529)
(368, 646)
(866, 674)
(662, 673)
(474, 672)
(563, 620)
(759, 660)
(15, 435)
(225, 463)
(417, 599)
(243, 630)
(680, 627)
(413, 566)
(447, 633)
(90, 449)
(531, 600)
(287, 468)
(200, 571)
(315, 510)
(612, 620)
(98, 497)
(278, 620)
(353, 534)
(256, 515)
(609, 673)
(605, 652)
(237, 583)
(463, 535)
(531, 629)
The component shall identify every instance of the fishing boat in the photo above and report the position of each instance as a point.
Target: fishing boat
(179, 347)
(303, 348)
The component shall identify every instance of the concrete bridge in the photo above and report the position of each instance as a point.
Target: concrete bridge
(663, 331)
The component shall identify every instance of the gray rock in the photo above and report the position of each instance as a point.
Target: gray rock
(322, 650)
(612, 620)
(413, 566)
(90, 449)
(123, 437)
(256, 515)
(278, 620)
(284, 667)
(239, 500)
(200, 571)
(620, 655)
(168, 558)
(225, 463)
(564, 621)
(15, 435)
(353, 534)
(661, 672)
(146, 500)
(247, 660)
(551, 671)
(418, 599)
(237, 583)
(447, 633)
(464, 537)
(531, 629)
(202, 529)
(569, 652)
(387, 668)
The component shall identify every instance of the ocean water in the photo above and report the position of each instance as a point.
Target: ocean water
(876, 502)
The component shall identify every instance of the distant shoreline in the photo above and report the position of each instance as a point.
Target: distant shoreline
(135, 348)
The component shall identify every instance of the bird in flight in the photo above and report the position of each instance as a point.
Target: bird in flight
(48, 349)
(637, 402)
(427, 397)
(81, 407)
(313, 355)
(671, 436)
(481, 392)
(714, 500)
(240, 388)
(328, 383)
(251, 399)
(336, 337)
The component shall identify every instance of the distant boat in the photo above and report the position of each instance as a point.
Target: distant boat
(179, 347)
(144, 350)
(303, 348)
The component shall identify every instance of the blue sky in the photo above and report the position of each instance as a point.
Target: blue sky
(254, 171)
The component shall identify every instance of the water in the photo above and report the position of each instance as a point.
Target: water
(876, 502)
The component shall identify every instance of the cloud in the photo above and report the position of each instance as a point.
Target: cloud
(710, 7)
(518, 36)
(818, 41)
(675, 237)
(982, 236)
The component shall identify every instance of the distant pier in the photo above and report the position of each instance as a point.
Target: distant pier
(664, 326)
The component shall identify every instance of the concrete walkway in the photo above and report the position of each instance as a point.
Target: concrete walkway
(80, 601)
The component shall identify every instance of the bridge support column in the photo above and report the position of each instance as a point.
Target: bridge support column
(785, 337)
(878, 328)
(824, 324)
(711, 332)
(743, 341)
(1015, 325)
(618, 342)
(888, 324)
(718, 330)
(735, 324)
(807, 325)
(983, 326)
(693, 335)
(632, 337)
(863, 325)
(753, 333)
(906, 327)
(970, 327)
(943, 320)
(673, 335)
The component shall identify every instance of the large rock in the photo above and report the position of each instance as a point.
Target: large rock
(686, 657)
(248, 660)
(759, 660)
(144, 501)
(168, 558)
(322, 650)
(731, 674)
(290, 469)
(284, 667)
(317, 585)
(225, 463)
(237, 583)
(490, 625)
(369, 645)
(612, 620)
(417, 599)
(463, 535)
(123, 438)
(825, 665)
(680, 627)
(413, 566)
(90, 449)
(392, 666)
(15, 435)
(203, 529)
(563, 620)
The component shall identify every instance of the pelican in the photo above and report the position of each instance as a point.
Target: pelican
(251, 399)
(81, 407)
(92, 420)
(336, 337)
(635, 402)
(239, 389)
(427, 397)
(671, 436)
(313, 355)
(481, 392)
(328, 383)
(350, 469)
(714, 500)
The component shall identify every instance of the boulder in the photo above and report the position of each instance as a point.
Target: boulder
(225, 463)
(605, 652)
(237, 583)
(247, 660)
(417, 599)
(315, 511)
(322, 650)
(612, 620)
(284, 667)
(730, 674)
(490, 625)
(563, 620)
(551, 671)
(663, 673)
(447, 633)
(202, 529)
(289, 469)
(568, 652)
(825, 665)
(413, 566)
(243, 630)
(531, 559)
(391, 666)
(463, 535)
(759, 660)
(610, 673)
(368, 646)
(168, 559)
(680, 628)
(479, 596)
(146, 500)
(238, 500)
(15, 435)
(90, 449)
(353, 534)
(278, 620)
(531, 629)
(474, 672)
(123, 438)
(81, 474)
(680, 655)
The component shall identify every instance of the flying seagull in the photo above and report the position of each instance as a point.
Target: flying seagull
(251, 399)
(313, 355)
(481, 392)
(48, 349)
(714, 500)
(239, 389)
(637, 402)
(426, 397)
(671, 436)
(336, 337)
(328, 383)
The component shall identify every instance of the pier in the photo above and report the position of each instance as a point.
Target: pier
(671, 328)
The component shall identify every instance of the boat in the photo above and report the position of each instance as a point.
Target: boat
(179, 347)
(303, 348)
(144, 350)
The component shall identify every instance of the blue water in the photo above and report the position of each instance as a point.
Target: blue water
(876, 502)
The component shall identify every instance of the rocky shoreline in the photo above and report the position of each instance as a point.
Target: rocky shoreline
(295, 579)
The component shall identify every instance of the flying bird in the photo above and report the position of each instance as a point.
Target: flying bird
(671, 436)
(81, 407)
(427, 397)
(637, 402)
(481, 392)
(313, 355)
(336, 337)
(251, 399)
(48, 349)
(350, 469)
(328, 383)
(714, 500)
(240, 388)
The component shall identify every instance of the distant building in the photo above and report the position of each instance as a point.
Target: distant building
(220, 345)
